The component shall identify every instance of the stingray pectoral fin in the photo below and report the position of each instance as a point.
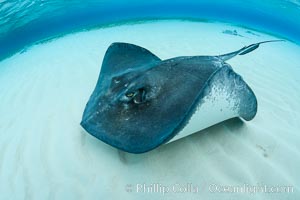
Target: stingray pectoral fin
(244, 50)
(225, 96)
(229, 89)
(120, 57)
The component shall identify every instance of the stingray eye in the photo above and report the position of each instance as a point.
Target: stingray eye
(136, 97)
(130, 94)
(140, 96)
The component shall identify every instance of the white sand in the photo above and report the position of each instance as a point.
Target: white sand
(45, 154)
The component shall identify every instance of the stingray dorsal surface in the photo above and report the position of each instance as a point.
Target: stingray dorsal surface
(141, 101)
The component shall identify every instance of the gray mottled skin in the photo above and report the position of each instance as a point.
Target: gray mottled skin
(140, 101)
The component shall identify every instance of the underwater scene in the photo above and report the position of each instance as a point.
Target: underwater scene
(149, 100)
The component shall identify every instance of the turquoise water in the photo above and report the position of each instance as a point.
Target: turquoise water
(23, 23)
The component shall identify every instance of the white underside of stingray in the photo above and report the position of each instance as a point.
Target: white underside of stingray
(216, 108)
(221, 102)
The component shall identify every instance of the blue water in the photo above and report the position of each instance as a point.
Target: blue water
(23, 23)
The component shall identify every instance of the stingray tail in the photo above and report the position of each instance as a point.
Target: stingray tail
(244, 50)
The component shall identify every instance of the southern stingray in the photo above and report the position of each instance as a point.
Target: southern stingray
(141, 101)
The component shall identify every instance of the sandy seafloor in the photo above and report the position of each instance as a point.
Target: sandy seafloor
(45, 154)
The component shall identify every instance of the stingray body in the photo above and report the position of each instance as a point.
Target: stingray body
(141, 101)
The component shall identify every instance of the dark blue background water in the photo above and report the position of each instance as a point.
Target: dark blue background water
(23, 23)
